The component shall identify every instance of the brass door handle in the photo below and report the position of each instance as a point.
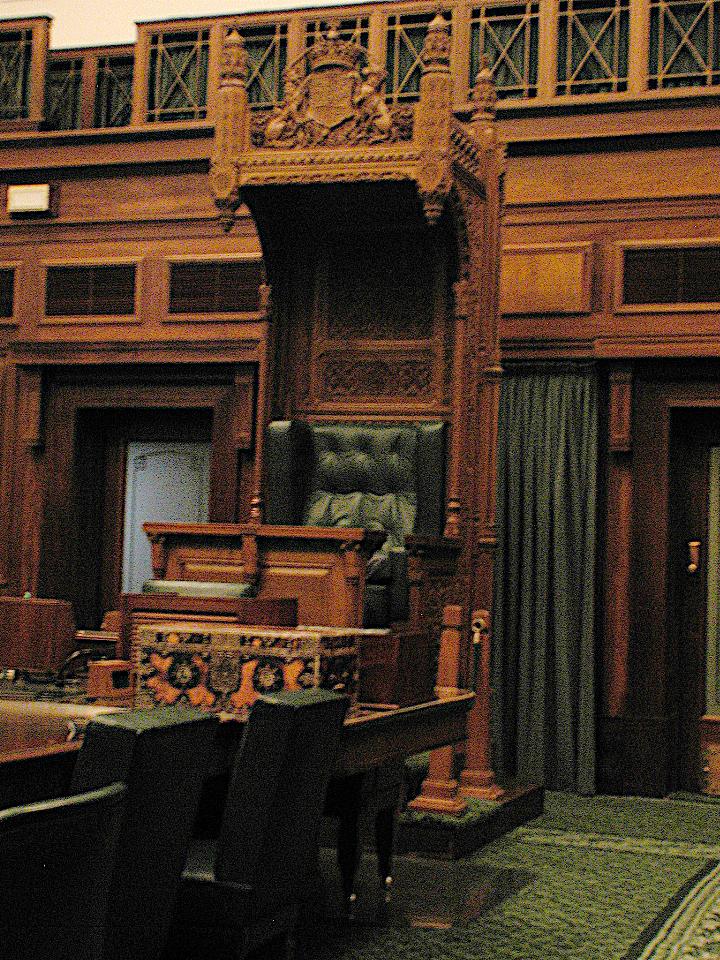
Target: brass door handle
(693, 556)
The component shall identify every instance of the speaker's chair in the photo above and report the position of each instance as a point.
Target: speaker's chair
(378, 476)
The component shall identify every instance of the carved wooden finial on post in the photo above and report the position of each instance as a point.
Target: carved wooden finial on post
(433, 119)
(483, 94)
(232, 127)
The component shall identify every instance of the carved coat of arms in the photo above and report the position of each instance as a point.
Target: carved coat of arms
(331, 99)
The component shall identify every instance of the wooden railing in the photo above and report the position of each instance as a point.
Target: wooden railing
(555, 53)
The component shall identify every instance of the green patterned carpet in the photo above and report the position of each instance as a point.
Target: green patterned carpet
(592, 879)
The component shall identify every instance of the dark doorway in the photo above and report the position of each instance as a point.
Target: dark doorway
(101, 441)
(91, 417)
(694, 435)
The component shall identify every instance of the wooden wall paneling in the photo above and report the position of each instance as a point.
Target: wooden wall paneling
(7, 438)
(549, 278)
(27, 482)
(652, 717)
(617, 585)
(630, 174)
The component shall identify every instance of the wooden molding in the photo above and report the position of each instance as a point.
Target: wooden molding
(620, 410)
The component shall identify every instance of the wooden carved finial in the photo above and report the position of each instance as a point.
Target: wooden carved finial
(435, 53)
(232, 127)
(235, 59)
(433, 117)
(483, 95)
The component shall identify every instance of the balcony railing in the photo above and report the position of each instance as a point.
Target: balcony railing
(540, 52)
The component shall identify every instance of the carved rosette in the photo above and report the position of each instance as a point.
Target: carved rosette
(433, 120)
(232, 127)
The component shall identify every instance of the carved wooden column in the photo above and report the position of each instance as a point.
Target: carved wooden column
(439, 791)
(262, 410)
(433, 119)
(478, 778)
(232, 127)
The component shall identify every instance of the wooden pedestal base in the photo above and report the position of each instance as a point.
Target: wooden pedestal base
(440, 796)
(481, 785)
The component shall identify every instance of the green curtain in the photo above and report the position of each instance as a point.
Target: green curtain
(544, 611)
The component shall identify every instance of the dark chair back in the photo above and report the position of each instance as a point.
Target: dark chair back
(388, 476)
(276, 795)
(56, 861)
(162, 756)
(377, 476)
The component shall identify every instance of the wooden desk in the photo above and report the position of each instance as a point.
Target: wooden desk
(38, 743)
(36, 758)
(323, 567)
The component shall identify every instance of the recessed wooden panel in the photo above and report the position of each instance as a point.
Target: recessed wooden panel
(545, 279)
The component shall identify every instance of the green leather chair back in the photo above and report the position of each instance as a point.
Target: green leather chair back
(162, 756)
(56, 861)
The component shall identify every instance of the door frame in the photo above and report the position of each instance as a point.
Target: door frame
(225, 391)
(650, 726)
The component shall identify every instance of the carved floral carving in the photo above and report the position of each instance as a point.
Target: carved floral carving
(332, 100)
(347, 377)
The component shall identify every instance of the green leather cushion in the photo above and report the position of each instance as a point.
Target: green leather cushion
(198, 588)
(365, 476)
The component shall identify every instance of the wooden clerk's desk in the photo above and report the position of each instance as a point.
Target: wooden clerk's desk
(323, 567)
(38, 743)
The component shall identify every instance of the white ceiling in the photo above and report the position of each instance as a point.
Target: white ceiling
(87, 23)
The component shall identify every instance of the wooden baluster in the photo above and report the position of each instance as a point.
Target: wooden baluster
(478, 778)
(439, 791)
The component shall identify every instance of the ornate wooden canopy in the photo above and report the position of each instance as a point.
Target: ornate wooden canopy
(337, 167)
(334, 125)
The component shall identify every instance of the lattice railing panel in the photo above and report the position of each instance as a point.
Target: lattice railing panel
(267, 49)
(356, 29)
(178, 76)
(113, 92)
(63, 89)
(405, 38)
(507, 34)
(15, 58)
(684, 48)
(593, 46)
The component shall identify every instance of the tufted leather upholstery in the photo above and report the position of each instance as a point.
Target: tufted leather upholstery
(379, 476)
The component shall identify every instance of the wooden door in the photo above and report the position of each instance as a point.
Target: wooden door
(693, 564)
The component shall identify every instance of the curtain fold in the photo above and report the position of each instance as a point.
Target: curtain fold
(544, 611)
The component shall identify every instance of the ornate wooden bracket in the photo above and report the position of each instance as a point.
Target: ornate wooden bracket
(620, 432)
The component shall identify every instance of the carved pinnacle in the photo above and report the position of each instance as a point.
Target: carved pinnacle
(235, 58)
(436, 48)
(483, 94)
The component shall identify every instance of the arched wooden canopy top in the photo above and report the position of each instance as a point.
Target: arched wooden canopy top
(335, 126)
(336, 163)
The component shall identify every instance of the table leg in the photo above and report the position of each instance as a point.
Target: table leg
(384, 834)
(348, 840)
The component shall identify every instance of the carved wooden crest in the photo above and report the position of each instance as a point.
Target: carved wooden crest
(331, 93)
(332, 98)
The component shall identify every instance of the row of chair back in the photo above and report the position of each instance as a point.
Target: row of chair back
(111, 871)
